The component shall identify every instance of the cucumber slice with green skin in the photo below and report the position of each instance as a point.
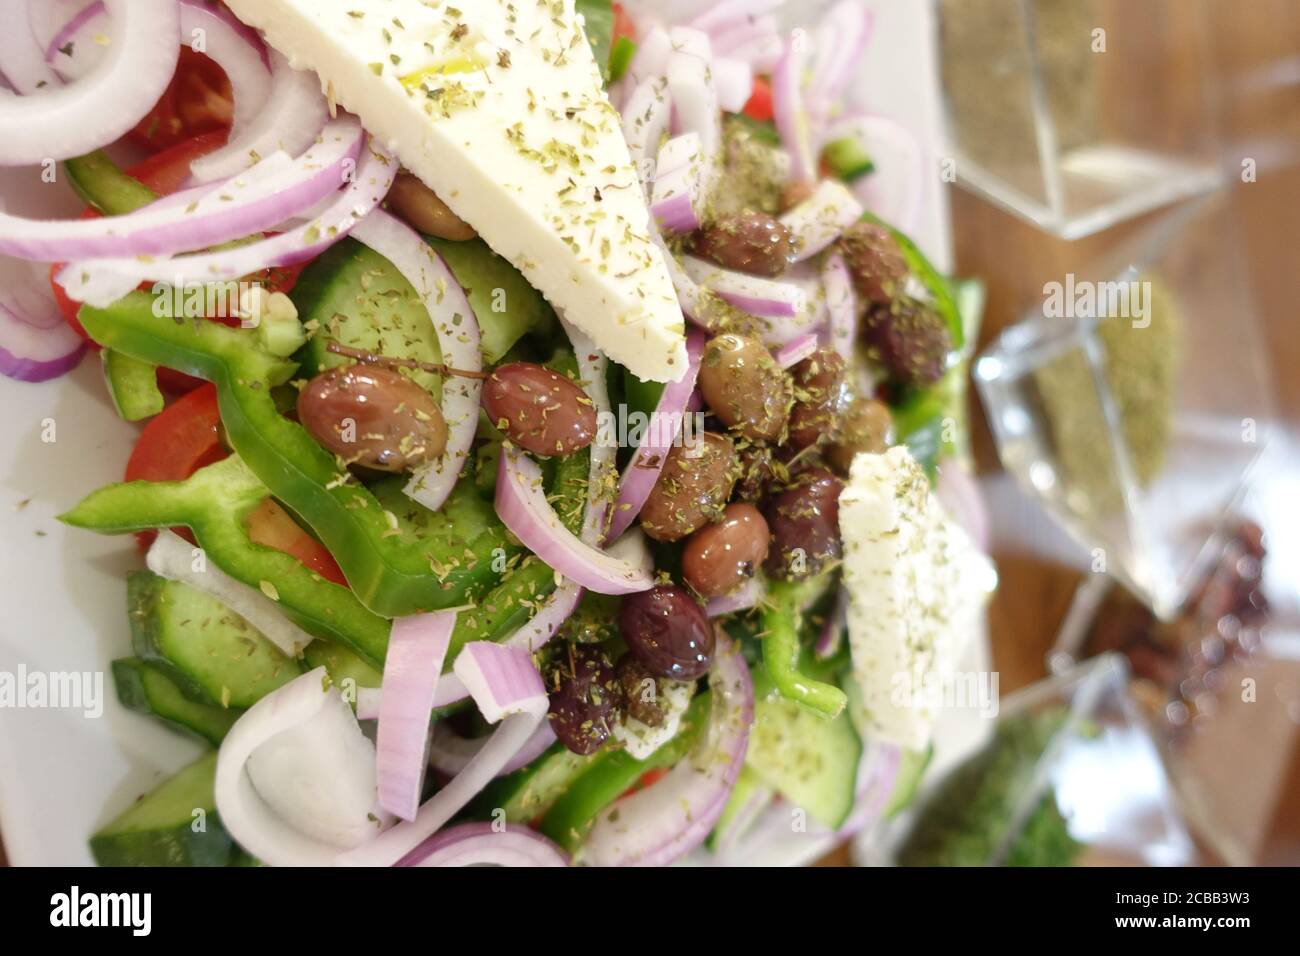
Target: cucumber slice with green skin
(911, 768)
(506, 306)
(133, 386)
(531, 791)
(148, 689)
(848, 159)
(355, 296)
(739, 813)
(162, 828)
(212, 653)
(341, 663)
(809, 760)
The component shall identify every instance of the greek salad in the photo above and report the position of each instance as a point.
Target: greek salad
(544, 442)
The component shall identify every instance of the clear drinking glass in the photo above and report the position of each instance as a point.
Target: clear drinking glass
(1077, 114)
(1099, 779)
(1136, 418)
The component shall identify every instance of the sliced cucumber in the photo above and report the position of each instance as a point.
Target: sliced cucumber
(809, 760)
(531, 791)
(506, 306)
(355, 296)
(341, 663)
(148, 689)
(175, 824)
(212, 653)
(911, 768)
(748, 797)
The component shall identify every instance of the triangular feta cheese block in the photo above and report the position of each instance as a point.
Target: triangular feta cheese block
(498, 106)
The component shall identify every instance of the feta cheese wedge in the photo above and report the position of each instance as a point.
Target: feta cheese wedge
(916, 585)
(498, 106)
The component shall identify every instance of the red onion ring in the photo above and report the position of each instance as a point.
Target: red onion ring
(841, 303)
(30, 353)
(734, 80)
(832, 633)
(507, 688)
(476, 844)
(647, 461)
(796, 350)
(765, 298)
(417, 646)
(458, 337)
(842, 38)
(450, 753)
(731, 13)
(789, 112)
(265, 196)
(671, 817)
(648, 63)
(743, 598)
(21, 59)
(521, 503)
(292, 118)
(103, 281)
(114, 97)
(875, 784)
(677, 193)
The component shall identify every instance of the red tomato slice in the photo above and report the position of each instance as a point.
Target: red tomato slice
(176, 443)
(272, 526)
(759, 106)
(647, 779)
(198, 100)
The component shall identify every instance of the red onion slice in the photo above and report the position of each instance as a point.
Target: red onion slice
(789, 112)
(101, 282)
(832, 633)
(765, 298)
(959, 491)
(522, 505)
(668, 819)
(507, 688)
(261, 198)
(253, 823)
(30, 353)
(695, 101)
(458, 336)
(292, 118)
(876, 780)
(649, 62)
(114, 97)
(478, 844)
(743, 598)
(21, 59)
(842, 305)
(841, 41)
(665, 427)
(677, 195)
(734, 80)
(450, 753)
(796, 350)
(731, 13)
(821, 218)
(645, 119)
(417, 647)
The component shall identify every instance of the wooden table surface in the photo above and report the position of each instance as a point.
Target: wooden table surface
(1251, 41)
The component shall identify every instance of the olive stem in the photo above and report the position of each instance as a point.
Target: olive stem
(373, 358)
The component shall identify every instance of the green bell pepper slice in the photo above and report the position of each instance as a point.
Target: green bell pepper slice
(389, 577)
(104, 187)
(215, 503)
(133, 386)
(609, 775)
(782, 649)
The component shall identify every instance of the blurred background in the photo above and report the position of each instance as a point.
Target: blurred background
(1142, 480)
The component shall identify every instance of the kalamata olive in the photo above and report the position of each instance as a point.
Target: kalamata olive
(667, 631)
(744, 387)
(865, 425)
(721, 557)
(585, 697)
(539, 410)
(875, 262)
(805, 523)
(751, 242)
(692, 489)
(910, 340)
(640, 690)
(819, 394)
(373, 416)
(424, 211)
